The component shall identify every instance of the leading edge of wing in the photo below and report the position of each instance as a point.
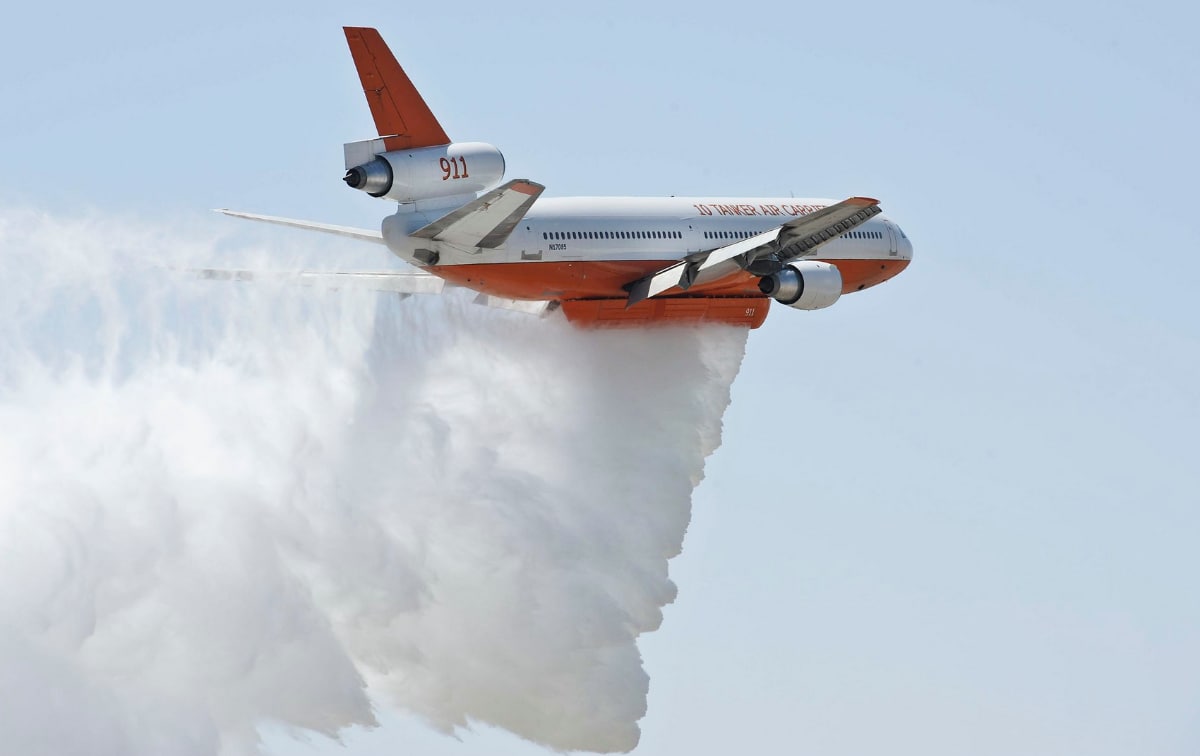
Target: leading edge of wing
(324, 228)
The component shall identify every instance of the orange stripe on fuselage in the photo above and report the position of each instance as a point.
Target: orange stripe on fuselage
(594, 279)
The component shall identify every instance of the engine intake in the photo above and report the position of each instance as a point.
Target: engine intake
(374, 178)
(807, 285)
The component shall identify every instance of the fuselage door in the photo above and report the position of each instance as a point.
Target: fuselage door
(893, 242)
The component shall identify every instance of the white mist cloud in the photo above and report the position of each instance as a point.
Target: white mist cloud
(223, 504)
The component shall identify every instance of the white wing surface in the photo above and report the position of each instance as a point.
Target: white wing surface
(796, 238)
(400, 281)
(485, 222)
(325, 228)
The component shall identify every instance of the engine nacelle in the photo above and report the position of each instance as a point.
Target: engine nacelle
(429, 172)
(807, 285)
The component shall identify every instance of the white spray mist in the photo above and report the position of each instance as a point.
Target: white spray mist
(223, 504)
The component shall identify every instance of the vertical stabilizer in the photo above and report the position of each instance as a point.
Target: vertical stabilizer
(401, 116)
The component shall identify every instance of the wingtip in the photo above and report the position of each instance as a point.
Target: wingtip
(525, 186)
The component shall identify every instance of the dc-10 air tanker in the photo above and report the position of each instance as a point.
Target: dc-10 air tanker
(601, 261)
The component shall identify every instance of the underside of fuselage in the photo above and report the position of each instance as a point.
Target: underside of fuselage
(593, 292)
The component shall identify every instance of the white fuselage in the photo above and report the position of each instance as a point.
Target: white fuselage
(571, 229)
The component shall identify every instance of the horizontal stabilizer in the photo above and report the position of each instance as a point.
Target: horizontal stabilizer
(485, 222)
(325, 228)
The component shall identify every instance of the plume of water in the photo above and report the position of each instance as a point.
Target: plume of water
(223, 504)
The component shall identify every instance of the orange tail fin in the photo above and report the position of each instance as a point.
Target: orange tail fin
(400, 113)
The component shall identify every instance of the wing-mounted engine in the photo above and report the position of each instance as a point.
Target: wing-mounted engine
(448, 170)
(806, 285)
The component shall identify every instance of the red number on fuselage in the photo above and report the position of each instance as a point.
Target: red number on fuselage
(450, 168)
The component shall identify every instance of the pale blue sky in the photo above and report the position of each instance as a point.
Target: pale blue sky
(955, 514)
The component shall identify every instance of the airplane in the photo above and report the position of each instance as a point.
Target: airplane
(601, 261)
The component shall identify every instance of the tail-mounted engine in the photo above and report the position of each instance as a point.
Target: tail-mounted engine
(426, 173)
(807, 285)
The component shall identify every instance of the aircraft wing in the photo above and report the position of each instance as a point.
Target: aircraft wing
(325, 228)
(487, 221)
(401, 281)
(796, 238)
